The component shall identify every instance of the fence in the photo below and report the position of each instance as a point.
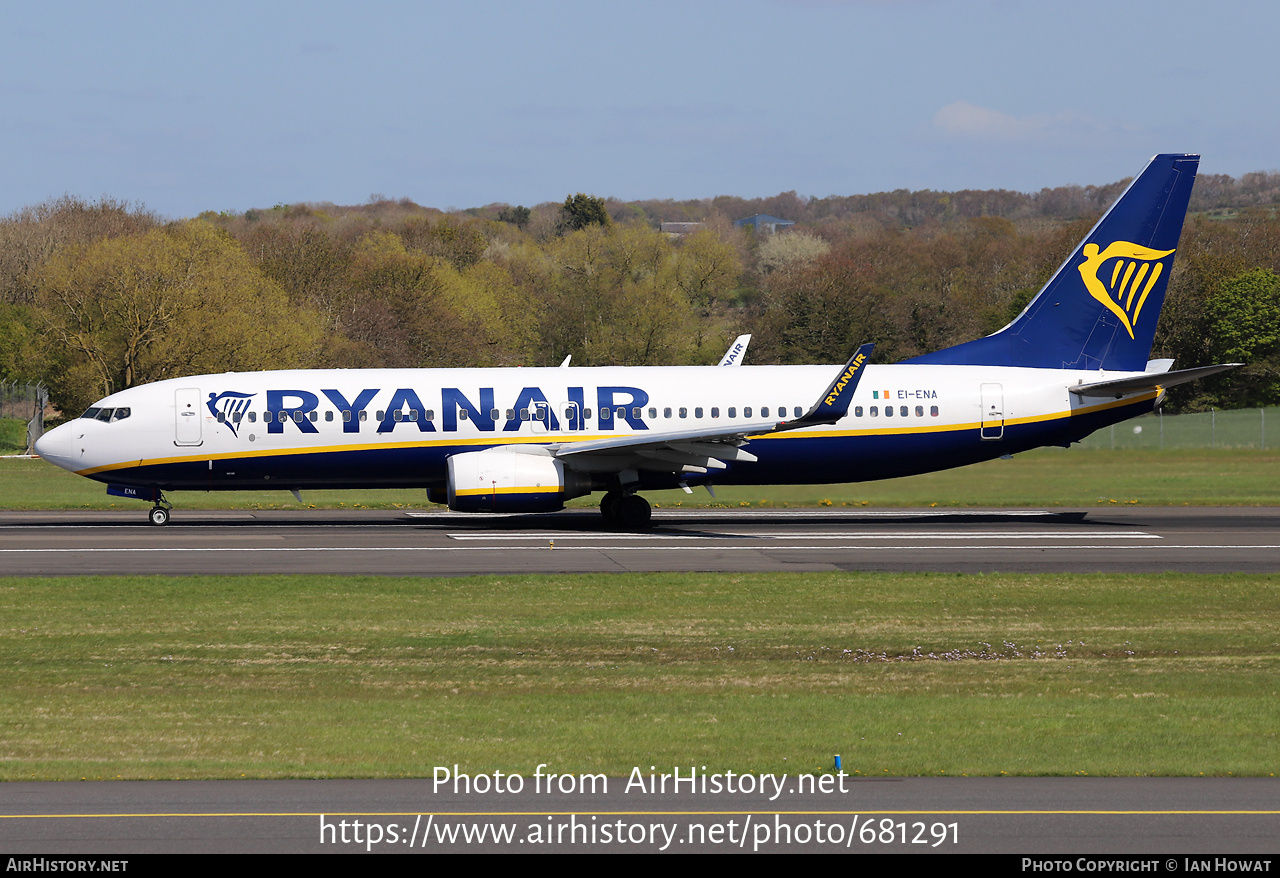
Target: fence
(25, 402)
(1235, 428)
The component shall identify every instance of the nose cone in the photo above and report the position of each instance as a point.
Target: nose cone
(55, 445)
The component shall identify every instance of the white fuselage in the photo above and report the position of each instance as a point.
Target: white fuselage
(398, 427)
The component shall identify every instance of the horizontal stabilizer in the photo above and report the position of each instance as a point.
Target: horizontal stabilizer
(1150, 381)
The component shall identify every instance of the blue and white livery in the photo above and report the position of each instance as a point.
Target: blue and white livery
(526, 440)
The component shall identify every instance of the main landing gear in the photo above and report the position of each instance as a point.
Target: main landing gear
(625, 511)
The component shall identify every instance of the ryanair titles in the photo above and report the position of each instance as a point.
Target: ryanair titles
(404, 408)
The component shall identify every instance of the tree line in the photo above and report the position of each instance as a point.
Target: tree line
(96, 296)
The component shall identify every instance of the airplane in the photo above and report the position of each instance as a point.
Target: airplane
(505, 440)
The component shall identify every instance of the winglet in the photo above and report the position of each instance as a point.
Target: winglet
(834, 402)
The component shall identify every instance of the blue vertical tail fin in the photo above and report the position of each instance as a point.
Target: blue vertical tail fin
(1099, 310)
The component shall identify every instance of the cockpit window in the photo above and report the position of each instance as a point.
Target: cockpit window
(106, 415)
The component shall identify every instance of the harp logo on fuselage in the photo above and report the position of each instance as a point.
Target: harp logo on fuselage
(1124, 286)
(231, 405)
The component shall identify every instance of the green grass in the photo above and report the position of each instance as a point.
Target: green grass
(13, 436)
(1048, 477)
(137, 677)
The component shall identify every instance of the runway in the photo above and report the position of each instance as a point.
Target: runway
(1107, 539)
(1161, 817)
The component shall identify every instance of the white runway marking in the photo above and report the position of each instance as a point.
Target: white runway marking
(972, 535)
(826, 512)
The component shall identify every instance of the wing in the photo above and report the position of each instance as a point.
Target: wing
(701, 450)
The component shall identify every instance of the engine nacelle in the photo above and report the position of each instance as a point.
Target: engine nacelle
(508, 481)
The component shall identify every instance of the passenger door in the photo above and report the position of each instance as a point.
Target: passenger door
(187, 417)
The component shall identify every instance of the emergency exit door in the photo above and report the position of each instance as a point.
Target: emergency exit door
(992, 411)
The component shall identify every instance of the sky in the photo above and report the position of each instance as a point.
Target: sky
(185, 107)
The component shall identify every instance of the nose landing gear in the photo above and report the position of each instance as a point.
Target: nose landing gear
(159, 514)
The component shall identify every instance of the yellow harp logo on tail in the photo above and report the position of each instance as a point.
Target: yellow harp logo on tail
(1133, 275)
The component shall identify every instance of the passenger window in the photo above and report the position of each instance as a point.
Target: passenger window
(715, 411)
(666, 413)
(919, 411)
(933, 411)
(494, 414)
(902, 410)
(684, 412)
(382, 416)
(239, 416)
(462, 414)
(297, 417)
(635, 413)
(346, 416)
(746, 412)
(364, 416)
(697, 412)
(888, 411)
(413, 414)
(622, 413)
(653, 413)
(857, 411)
(397, 415)
(764, 411)
(222, 419)
(798, 411)
(586, 414)
(524, 414)
(733, 412)
(875, 411)
(606, 414)
(315, 416)
(428, 415)
(253, 417)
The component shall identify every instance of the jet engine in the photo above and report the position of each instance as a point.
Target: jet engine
(499, 480)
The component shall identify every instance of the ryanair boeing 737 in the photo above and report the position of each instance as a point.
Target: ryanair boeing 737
(527, 440)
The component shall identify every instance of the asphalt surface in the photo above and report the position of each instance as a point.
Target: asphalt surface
(1111, 539)
(1025, 816)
